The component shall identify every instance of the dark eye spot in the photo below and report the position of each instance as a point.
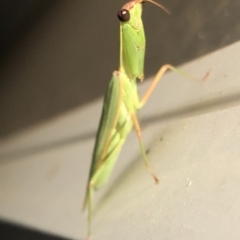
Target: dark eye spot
(123, 15)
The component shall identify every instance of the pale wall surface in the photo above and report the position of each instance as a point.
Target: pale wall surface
(192, 133)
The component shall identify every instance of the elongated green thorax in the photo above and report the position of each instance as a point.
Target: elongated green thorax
(132, 40)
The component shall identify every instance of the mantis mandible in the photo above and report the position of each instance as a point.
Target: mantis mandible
(122, 101)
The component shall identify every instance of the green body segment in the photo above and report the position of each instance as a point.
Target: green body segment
(115, 124)
(133, 44)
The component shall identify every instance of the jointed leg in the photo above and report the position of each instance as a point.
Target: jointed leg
(158, 77)
(138, 131)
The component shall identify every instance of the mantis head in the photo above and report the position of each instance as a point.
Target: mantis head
(124, 13)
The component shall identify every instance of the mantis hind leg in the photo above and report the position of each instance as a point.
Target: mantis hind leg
(138, 131)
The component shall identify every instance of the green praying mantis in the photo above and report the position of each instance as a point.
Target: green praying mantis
(122, 101)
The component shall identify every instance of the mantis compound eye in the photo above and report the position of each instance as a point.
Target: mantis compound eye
(123, 15)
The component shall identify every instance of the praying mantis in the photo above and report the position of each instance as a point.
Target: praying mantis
(121, 101)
